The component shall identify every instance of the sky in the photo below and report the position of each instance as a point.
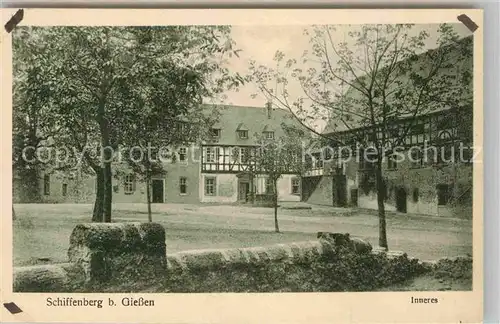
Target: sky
(260, 43)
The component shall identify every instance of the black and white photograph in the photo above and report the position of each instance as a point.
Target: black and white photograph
(244, 158)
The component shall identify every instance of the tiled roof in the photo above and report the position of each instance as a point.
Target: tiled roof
(242, 127)
(462, 62)
(254, 119)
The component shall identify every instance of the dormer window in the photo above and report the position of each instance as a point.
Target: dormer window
(215, 132)
(269, 135)
(243, 134)
(242, 131)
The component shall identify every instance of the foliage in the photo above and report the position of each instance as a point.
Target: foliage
(343, 270)
(381, 73)
(89, 88)
(453, 269)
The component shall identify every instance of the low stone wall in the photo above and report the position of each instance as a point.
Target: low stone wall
(240, 270)
(131, 257)
(64, 277)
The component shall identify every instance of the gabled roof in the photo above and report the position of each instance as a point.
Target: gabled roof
(253, 119)
(268, 128)
(241, 127)
(463, 62)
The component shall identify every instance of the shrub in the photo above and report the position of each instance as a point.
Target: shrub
(339, 270)
(453, 269)
(349, 271)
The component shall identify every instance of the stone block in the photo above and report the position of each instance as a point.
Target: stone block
(203, 259)
(118, 251)
(64, 277)
(361, 246)
(344, 239)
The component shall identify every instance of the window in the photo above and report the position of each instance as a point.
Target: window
(328, 154)
(210, 154)
(295, 186)
(129, 184)
(64, 189)
(245, 155)
(317, 160)
(152, 154)
(183, 185)
(444, 194)
(269, 186)
(210, 186)
(183, 127)
(416, 159)
(392, 164)
(215, 132)
(367, 159)
(269, 135)
(182, 154)
(46, 184)
(236, 154)
(243, 134)
(415, 195)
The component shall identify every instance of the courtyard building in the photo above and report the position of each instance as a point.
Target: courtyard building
(218, 169)
(431, 174)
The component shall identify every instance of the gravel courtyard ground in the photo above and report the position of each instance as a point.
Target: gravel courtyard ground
(42, 231)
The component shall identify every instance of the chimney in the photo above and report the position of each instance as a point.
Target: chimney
(269, 107)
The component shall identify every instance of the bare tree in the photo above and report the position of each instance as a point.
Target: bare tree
(278, 157)
(381, 74)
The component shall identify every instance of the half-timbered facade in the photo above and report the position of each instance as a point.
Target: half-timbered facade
(426, 167)
(229, 169)
(221, 168)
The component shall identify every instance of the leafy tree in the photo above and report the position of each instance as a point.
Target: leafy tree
(90, 74)
(33, 116)
(166, 120)
(380, 74)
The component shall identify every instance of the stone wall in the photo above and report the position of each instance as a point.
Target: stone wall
(131, 257)
(417, 185)
(317, 190)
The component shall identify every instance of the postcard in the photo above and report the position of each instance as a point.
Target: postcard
(242, 165)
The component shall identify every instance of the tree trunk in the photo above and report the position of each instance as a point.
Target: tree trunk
(382, 236)
(29, 173)
(28, 192)
(108, 193)
(148, 194)
(276, 227)
(97, 215)
(13, 213)
(106, 157)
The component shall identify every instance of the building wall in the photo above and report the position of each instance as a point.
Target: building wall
(189, 170)
(82, 188)
(317, 190)
(420, 185)
(226, 188)
(285, 189)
